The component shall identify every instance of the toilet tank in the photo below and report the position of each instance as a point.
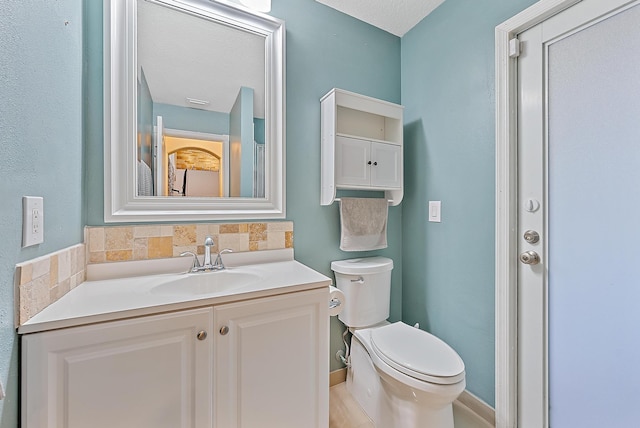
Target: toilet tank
(366, 284)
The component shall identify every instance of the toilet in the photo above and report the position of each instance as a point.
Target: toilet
(401, 376)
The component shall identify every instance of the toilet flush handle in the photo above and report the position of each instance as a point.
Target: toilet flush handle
(359, 280)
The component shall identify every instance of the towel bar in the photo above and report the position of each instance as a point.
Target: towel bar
(390, 201)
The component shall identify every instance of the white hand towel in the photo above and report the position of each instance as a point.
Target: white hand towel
(363, 224)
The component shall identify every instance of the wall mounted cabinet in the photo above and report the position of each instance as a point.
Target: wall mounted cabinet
(361, 145)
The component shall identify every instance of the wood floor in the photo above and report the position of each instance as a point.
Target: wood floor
(345, 412)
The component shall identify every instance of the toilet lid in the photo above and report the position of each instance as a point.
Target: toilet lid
(417, 353)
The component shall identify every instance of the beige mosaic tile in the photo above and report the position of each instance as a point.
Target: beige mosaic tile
(53, 271)
(95, 237)
(42, 281)
(118, 238)
(160, 247)
(140, 248)
(275, 240)
(118, 255)
(184, 235)
(229, 228)
(25, 273)
(146, 231)
(257, 232)
(97, 257)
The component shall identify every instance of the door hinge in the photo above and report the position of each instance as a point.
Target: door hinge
(514, 48)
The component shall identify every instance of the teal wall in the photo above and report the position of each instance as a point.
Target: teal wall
(191, 119)
(40, 148)
(448, 92)
(327, 49)
(241, 143)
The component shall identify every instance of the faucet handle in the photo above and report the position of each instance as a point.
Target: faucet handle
(196, 263)
(219, 265)
(208, 242)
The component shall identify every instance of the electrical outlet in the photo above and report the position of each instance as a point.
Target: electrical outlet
(32, 220)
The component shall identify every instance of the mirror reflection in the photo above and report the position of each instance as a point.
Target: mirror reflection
(200, 106)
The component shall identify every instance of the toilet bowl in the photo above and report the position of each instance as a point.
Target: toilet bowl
(404, 389)
(401, 376)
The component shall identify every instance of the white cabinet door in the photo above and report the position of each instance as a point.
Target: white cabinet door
(271, 365)
(353, 161)
(150, 372)
(363, 163)
(386, 170)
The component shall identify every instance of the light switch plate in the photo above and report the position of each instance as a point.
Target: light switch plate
(434, 211)
(32, 220)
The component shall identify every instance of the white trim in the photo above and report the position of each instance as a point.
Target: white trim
(121, 203)
(506, 218)
(478, 407)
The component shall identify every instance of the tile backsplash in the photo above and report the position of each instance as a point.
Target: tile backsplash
(116, 244)
(42, 281)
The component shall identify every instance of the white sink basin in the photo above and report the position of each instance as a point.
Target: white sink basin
(207, 283)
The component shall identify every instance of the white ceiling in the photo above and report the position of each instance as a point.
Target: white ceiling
(182, 56)
(394, 16)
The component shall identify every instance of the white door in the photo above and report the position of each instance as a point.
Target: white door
(271, 365)
(353, 161)
(148, 372)
(579, 190)
(385, 170)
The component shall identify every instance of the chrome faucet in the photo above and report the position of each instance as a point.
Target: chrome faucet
(208, 243)
(207, 265)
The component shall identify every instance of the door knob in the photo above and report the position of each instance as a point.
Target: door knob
(202, 335)
(224, 330)
(530, 258)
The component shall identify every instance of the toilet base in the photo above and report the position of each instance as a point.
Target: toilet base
(391, 404)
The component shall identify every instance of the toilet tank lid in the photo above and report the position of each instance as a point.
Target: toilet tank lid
(362, 266)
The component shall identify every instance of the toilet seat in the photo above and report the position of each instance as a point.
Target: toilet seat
(417, 354)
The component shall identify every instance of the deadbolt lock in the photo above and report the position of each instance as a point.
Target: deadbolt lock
(531, 236)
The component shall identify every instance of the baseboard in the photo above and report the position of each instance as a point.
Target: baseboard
(337, 376)
(477, 406)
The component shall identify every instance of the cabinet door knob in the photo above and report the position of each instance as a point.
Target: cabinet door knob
(369, 163)
(202, 335)
(224, 330)
(375, 163)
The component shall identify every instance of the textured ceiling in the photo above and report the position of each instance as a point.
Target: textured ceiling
(394, 16)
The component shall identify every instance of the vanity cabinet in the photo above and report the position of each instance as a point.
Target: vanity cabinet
(261, 362)
(271, 365)
(149, 372)
(361, 146)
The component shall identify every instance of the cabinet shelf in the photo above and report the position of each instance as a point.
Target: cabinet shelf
(360, 137)
(361, 146)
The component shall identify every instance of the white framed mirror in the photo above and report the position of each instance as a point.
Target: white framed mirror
(194, 112)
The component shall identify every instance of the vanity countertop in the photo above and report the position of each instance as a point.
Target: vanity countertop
(118, 298)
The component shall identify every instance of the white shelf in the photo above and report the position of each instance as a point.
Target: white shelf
(347, 115)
